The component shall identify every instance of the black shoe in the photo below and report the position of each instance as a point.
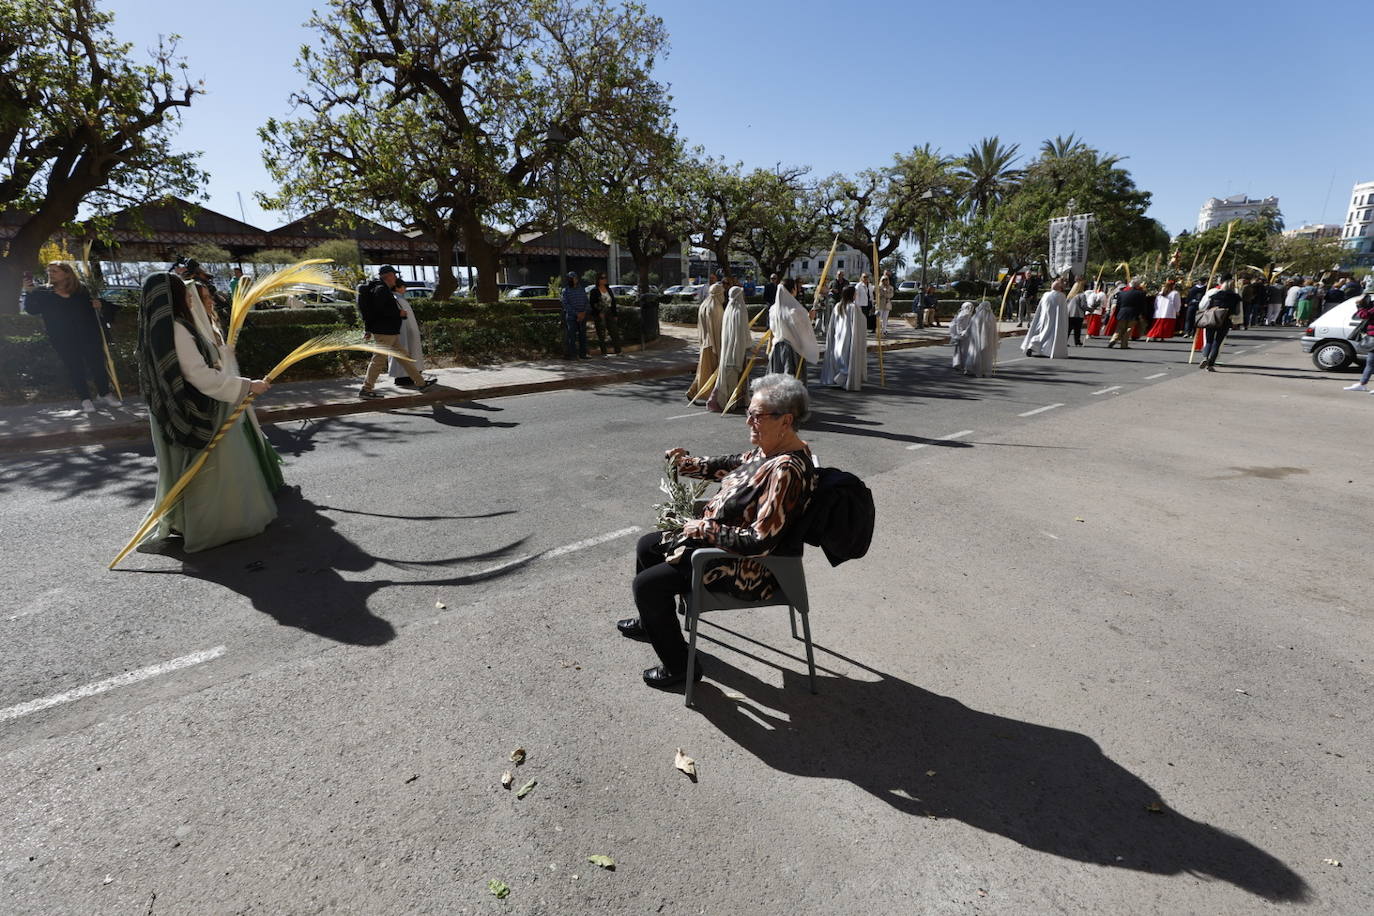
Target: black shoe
(403, 383)
(369, 393)
(661, 678)
(632, 628)
(425, 384)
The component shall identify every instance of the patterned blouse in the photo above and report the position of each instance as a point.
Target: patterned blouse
(758, 496)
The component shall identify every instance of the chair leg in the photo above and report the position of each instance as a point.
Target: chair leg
(692, 654)
(792, 619)
(810, 656)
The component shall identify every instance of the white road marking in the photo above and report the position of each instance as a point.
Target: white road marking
(1031, 413)
(592, 542)
(1003, 362)
(1104, 390)
(1048, 535)
(959, 435)
(119, 680)
(697, 413)
(1155, 376)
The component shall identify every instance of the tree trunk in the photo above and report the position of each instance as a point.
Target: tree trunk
(21, 256)
(447, 283)
(722, 256)
(484, 256)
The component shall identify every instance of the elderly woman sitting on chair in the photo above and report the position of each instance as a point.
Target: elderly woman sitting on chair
(761, 490)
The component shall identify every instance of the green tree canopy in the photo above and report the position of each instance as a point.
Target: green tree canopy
(82, 126)
(444, 112)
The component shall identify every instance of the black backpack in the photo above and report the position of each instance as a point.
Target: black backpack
(839, 517)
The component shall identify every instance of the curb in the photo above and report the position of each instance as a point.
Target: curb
(45, 441)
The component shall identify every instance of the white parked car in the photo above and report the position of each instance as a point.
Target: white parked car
(908, 286)
(1327, 338)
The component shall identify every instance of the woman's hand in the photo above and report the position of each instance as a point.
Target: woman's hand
(259, 386)
(675, 455)
(694, 529)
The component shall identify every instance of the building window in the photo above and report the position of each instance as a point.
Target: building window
(806, 265)
(840, 264)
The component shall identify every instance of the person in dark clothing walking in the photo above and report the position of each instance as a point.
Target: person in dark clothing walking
(74, 323)
(770, 291)
(1131, 305)
(382, 317)
(1224, 298)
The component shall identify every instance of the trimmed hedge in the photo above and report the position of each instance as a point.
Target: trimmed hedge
(460, 330)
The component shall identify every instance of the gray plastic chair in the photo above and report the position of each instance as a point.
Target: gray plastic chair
(791, 592)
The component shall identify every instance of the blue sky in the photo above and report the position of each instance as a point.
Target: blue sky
(1204, 98)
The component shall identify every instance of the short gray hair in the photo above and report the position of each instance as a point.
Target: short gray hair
(784, 394)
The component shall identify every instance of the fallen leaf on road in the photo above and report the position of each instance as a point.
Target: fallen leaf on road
(517, 756)
(1239, 690)
(1335, 862)
(1155, 807)
(930, 772)
(412, 779)
(734, 696)
(685, 764)
(506, 779)
(109, 879)
(981, 892)
(525, 789)
(1077, 519)
(440, 605)
(500, 888)
(605, 862)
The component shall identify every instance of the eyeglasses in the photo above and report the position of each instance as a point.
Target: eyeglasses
(755, 416)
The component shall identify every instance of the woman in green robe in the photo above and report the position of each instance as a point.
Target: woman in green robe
(190, 379)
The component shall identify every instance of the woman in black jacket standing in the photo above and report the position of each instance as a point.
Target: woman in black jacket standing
(602, 309)
(73, 321)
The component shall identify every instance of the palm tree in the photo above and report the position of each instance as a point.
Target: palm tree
(987, 174)
(1062, 147)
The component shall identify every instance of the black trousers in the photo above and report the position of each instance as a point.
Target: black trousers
(84, 359)
(1076, 329)
(606, 324)
(656, 587)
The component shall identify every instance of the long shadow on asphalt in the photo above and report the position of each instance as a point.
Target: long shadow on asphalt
(1049, 789)
(358, 432)
(123, 471)
(293, 573)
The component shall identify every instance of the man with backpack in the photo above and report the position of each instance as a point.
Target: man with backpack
(382, 316)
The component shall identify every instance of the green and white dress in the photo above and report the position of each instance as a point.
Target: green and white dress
(232, 496)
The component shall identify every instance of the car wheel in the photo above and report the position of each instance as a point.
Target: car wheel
(1333, 355)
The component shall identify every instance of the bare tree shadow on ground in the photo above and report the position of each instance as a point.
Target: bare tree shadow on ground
(1048, 789)
(293, 572)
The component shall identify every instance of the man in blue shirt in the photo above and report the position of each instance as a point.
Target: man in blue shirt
(574, 299)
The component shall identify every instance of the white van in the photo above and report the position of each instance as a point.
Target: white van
(1327, 338)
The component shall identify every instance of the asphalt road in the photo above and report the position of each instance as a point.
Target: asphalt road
(1100, 586)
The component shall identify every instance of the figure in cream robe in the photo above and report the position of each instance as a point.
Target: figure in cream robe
(709, 316)
(960, 329)
(1049, 328)
(982, 342)
(848, 352)
(734, 349)
(792, 343)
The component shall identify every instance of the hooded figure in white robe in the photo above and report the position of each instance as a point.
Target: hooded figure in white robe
(734, 348)
(793, 338)
(1049, 328)
(982, 342)
(960, 327)
(710, 312)
(849, 349)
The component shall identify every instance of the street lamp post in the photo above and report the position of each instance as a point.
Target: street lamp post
(558, 140)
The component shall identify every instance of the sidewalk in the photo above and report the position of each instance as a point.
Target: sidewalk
(48, 425)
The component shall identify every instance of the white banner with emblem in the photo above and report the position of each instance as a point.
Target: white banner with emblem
(1069, 244)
